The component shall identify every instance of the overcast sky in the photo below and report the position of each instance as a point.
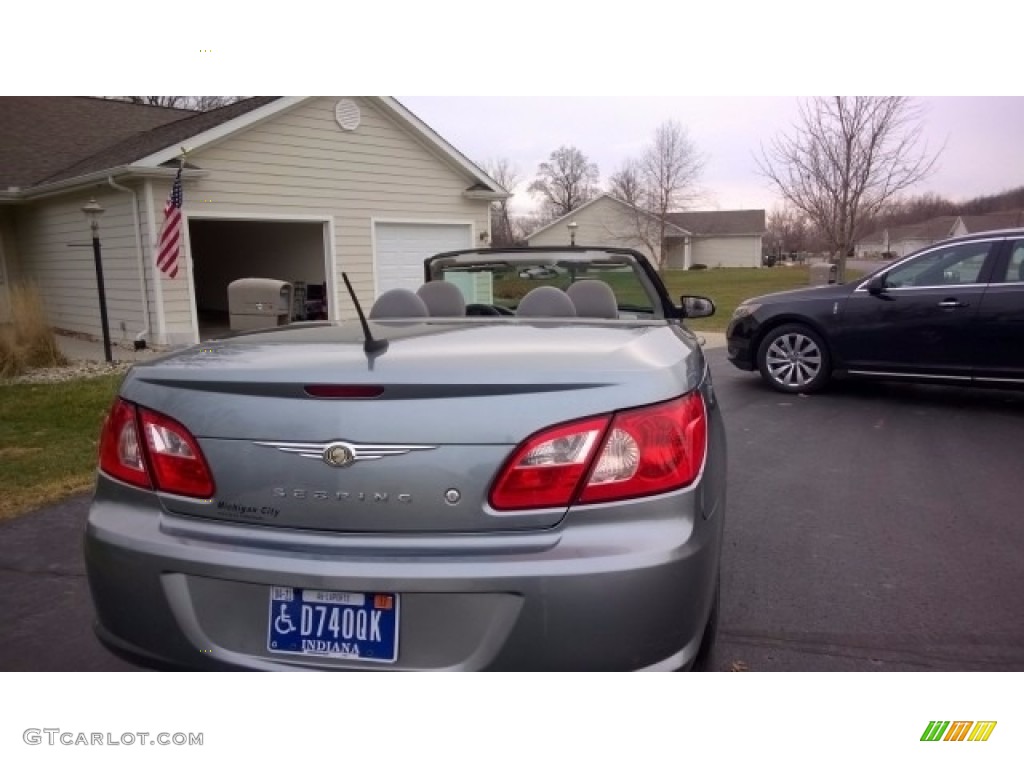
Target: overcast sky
(718, 53)
(983, 137)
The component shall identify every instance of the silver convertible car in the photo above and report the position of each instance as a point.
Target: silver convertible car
(488, 472)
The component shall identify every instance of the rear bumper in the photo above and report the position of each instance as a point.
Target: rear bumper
(596, 593)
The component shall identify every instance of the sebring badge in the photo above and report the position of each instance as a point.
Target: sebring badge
(341, 454)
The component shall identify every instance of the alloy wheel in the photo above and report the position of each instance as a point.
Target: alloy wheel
(794, 360)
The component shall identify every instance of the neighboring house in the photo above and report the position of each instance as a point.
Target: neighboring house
(294, 188)
(710, 238)
(903, 240)
(970, 225)
(717, 238)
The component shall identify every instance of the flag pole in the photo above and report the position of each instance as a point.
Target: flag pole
(166, 258)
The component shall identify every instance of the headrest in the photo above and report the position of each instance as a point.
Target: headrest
(398, 303)
(442, 299)
(546, 301)
(593, 298)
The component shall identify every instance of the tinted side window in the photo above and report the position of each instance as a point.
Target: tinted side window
(1015, 269)
(953, 265)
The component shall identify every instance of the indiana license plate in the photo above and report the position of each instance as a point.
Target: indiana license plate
(337, 625)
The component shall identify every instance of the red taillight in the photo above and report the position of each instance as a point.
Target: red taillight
(121, 453)
(168, 459)
(547, 468)
(641, 452)
(650, 450)
(178, 464)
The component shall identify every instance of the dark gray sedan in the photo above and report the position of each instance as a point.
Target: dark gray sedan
(488, 473)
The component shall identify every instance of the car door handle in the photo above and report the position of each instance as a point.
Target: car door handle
(952, 304)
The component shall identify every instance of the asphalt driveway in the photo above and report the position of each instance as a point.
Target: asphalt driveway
(871, 527)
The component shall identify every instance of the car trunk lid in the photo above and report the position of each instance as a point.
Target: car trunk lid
(436, 416)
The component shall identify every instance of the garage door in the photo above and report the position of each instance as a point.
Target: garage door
(726, 251)
(401, 249)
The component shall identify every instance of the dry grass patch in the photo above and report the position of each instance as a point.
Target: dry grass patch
(28, 341)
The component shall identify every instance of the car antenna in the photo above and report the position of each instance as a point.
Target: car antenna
(371, 345)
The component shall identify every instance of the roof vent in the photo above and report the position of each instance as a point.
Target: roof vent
(347, 113)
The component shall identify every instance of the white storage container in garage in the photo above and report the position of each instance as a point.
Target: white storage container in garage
(258, 302)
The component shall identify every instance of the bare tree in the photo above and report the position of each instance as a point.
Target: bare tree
(507, 175)
(207, 103)
(671, 167)
(788, 231)
(844, 160)
(1008, 200)
(524, 225)
(565, 182)
(631, 185)
(664, 180)
(912, 210)
(177, 102)
(197, 103)
(625, 183)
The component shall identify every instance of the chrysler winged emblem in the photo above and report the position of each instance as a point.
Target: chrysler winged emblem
(339, 453)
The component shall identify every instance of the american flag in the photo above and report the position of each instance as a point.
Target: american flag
(170, 236)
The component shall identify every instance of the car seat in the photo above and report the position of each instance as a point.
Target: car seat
(398, 303)
(442, 299)
(593, 298)
(546, 301)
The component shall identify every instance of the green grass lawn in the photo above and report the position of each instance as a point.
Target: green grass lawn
(48, 439)
(728, 287)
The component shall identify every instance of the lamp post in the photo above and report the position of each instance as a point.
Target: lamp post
(93, 211)
(572, 226)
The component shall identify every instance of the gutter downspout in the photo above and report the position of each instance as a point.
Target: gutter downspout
(151, 241)
(140, 339)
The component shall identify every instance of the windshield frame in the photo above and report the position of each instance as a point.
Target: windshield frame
(518, 257)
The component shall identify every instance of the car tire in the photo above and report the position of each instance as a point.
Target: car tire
(794, 359)
(704, 660)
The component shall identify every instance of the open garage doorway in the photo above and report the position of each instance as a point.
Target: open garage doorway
(226, 250)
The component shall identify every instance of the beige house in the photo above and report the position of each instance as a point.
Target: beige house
(903, 240)
(299, 189)
(708, 238)
(717, 238)
(985, 222)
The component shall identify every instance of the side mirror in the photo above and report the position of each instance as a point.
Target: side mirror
(876, 285)
(697, 306)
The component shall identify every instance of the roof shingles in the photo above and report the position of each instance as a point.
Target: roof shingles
(50, 139)
(745, 222)
(990, 221)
